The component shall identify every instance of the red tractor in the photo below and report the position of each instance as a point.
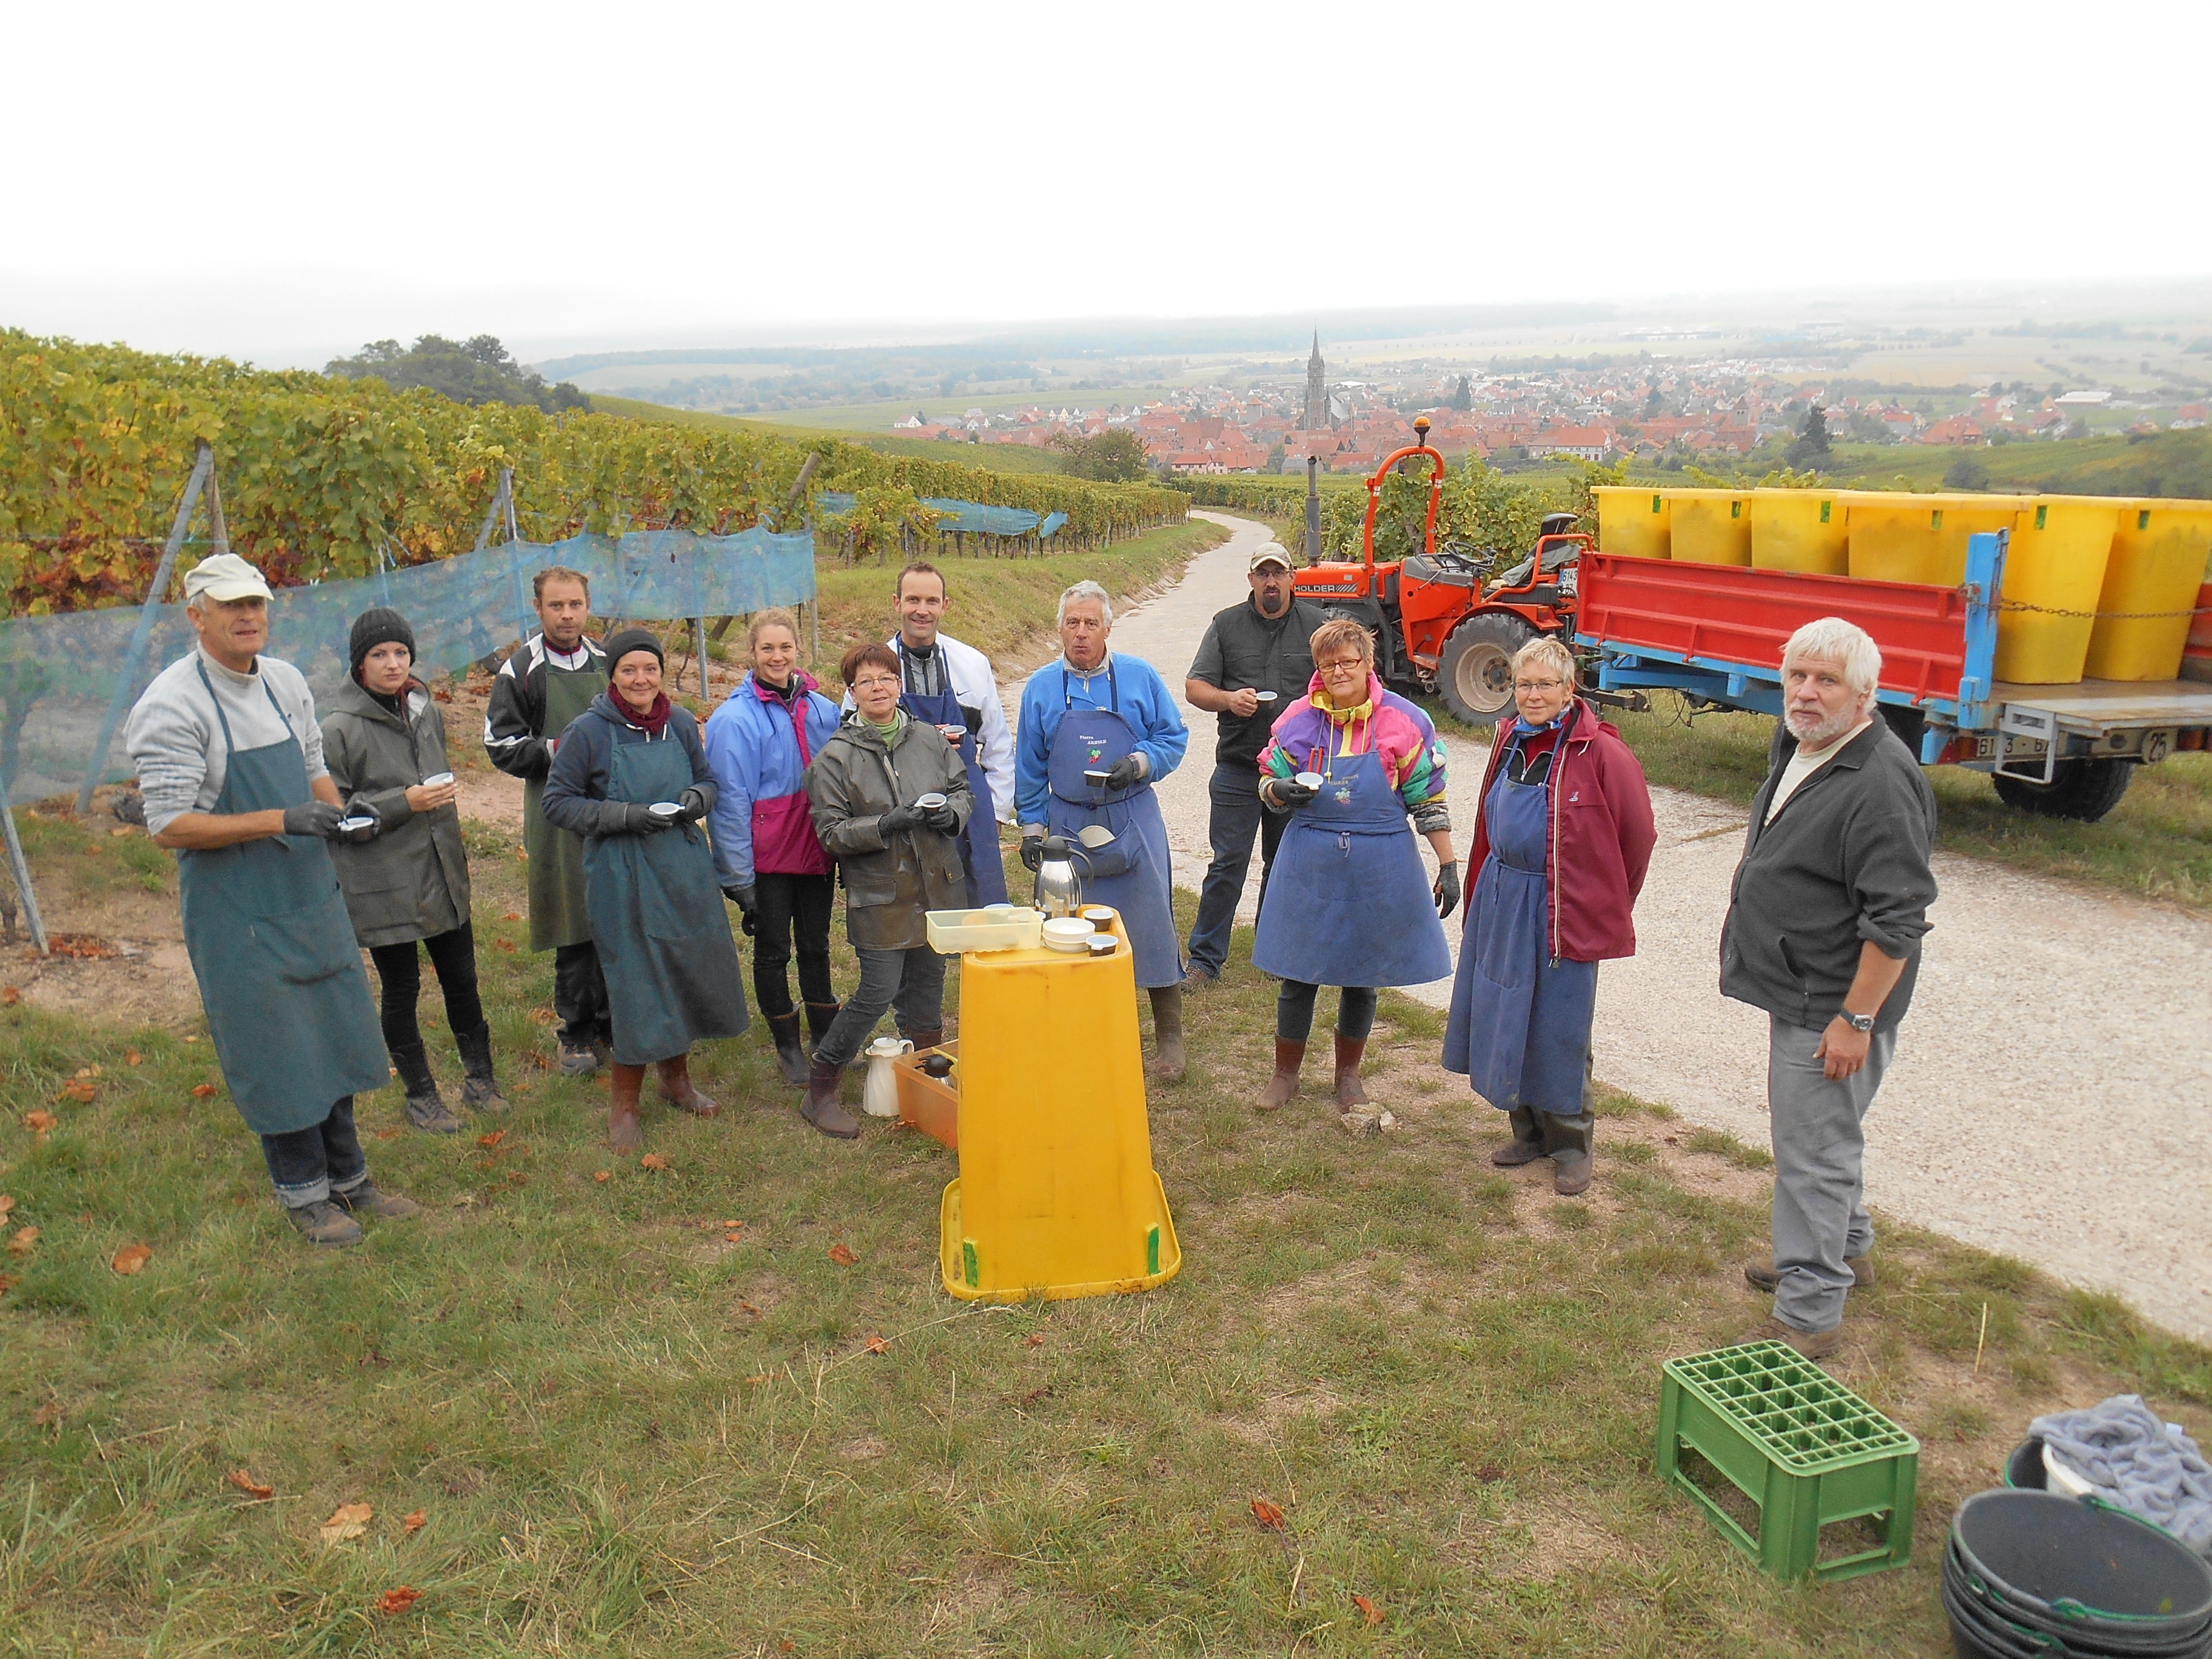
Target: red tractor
(1441, 618)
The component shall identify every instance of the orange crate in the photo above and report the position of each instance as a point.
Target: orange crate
(924, 1103)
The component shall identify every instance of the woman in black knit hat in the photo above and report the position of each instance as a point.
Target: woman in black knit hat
(406, 879)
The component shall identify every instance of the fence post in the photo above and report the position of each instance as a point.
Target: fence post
(21, 867)
(203, 480)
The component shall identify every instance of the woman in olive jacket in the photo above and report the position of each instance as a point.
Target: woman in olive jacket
(407, 881)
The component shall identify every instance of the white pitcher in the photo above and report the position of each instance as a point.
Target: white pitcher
(879, 1094)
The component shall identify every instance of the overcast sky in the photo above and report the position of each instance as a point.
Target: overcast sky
(286, 181)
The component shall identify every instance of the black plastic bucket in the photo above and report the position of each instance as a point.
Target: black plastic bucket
(2101, 1581)
(1979, 1633)
(2024, 1469)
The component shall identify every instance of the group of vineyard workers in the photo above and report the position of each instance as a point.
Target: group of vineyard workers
(303, 841)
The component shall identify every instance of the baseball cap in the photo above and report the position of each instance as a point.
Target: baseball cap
(224, 577)
(1269, 553)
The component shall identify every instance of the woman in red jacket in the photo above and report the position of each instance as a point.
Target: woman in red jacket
(1560, 848)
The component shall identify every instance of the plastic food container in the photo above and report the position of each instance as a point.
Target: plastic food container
(1100, 916)
(2060, 546)
(1308, 779)
(1898, 536)
(1010, 927)
(1709, 527)
(1102, 944)
(353, 826)
(1633, 523)
(930, 802)
(1802, 530)
(1069, 933)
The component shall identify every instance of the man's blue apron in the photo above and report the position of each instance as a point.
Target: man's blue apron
(1520, 1021)
(1350, 901)
(287, 998)
(979, 842)
(658, 921)
(1131, 873)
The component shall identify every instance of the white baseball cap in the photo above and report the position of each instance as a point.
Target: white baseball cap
(1269, 553)
(224, 577)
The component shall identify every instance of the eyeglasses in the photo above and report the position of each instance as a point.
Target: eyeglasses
(1539, 685)
(872, 681)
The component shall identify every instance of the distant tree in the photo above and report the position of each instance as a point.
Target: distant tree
(1463, 397)
(1109, 456)
(2077, 427)
(1654, 403)
(1966, 472)
(477, 370)
(1811, 449)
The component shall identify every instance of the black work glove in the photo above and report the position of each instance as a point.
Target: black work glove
(313, 818)
(635, 818)
(1446, 891)
(693, 800)
(1127, 773)
(943, 819)
(1033, 852)
(367, 832)
(898, 819)
(1289, 792)
(746, 898)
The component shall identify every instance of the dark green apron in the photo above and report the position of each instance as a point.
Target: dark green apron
(558, 915)
(658, 921)
(287, 998)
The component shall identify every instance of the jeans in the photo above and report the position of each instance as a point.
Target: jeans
(579, 996)
(792, 904)
(916, 977)
(1294, 1011)
(309, 1165)
(1819, 1172)
(399, 970)
(1236, 812)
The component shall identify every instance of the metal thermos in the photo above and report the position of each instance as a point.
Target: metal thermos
(1059, 888)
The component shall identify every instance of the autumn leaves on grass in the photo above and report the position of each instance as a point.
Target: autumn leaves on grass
(1271, 1520)
(347, 1523)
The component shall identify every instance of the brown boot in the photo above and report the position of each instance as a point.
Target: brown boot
(933, 1038)
(1349, 1050)
(675, 1088)
(1528, 1143)
(1288, 1056)
(1568, 1140)
(822, 1107)
(1764, 1276)
(1813, 1345)
(1167, 1033)
(624, 1132)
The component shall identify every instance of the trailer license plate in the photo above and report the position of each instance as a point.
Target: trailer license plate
(1567, 579)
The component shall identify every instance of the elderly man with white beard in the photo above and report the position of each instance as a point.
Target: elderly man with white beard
(1830, 905)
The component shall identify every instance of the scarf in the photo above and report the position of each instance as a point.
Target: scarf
(654, 720)
(888, 729)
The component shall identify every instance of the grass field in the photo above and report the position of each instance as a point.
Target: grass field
(596, 1409)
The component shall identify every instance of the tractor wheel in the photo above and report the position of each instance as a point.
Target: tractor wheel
(1475, 675)
(2083, 790)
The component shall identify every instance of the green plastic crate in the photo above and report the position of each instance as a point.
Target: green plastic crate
(1797, 1442)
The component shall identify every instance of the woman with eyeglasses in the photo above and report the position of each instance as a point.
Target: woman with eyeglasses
(1560, 850)
(1360, 771)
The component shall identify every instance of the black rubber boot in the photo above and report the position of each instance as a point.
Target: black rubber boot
(480, 1092)
(820, 1017)
(1528, 1143)
(790, 1051)
(426, 1107)
(1569, 1141)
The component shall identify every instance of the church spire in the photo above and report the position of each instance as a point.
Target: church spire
(1316, 414)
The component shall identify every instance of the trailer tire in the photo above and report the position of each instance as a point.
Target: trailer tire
(2082, 790)
(1474, 675)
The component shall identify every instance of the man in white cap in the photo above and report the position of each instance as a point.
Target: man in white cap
(1254, 663)
(230, 762)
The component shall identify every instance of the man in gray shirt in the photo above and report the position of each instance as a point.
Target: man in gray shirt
(230, 762)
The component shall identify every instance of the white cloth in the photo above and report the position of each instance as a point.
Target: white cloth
(1804, 763)
(175, 740)
(975, 686)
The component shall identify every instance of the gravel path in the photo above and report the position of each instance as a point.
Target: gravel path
(2052, 1093)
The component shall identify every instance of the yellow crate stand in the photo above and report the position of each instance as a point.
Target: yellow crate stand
(1057, 1196)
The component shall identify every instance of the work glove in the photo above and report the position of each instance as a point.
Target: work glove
(898, 819)
(746, 898)
(1446, 891)
(693, 800)
(313, 818)
(1033, 849)
(634, 817)
(1127, 773)
(943, 819)
(1289, 792)
(367, 832)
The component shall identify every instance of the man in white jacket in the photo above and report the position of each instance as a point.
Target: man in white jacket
(951, 686)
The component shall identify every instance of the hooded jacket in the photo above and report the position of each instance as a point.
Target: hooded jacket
(890, 880)
(752, 746)
(411, 881)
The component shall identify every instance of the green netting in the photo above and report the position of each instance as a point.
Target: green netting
(60, 676)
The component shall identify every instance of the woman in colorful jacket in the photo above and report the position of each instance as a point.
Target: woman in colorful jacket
(1350, 903)
(1560, 854)
(766, 856)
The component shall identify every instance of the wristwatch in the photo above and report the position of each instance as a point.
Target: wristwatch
(1857, 1022)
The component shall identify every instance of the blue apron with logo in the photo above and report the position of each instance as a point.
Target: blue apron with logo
(1131, 873)
(1350, 901)
(979, 842)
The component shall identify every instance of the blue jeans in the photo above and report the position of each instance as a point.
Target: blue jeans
(309, 1165)
(914, 979)
(1236, 812)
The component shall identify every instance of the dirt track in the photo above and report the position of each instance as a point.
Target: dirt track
(2052, 1093)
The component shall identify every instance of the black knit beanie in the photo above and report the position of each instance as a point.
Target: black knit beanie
(620, 644)
(381, 626)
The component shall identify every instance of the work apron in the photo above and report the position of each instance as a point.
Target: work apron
(558, 913)
(1132, 872)
(287, 998)
(979, 841)
(1520, 1021)
(658, 919)
(1349, 901)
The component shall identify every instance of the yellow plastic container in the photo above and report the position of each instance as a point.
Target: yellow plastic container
(1632, 523)
(1056, 1196)
(1800, 530)
(1710, 526)
(1897, 536)
(2056, 563)
(2161, 556)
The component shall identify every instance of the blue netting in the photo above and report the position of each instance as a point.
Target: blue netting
(59, 675)
(965, 515)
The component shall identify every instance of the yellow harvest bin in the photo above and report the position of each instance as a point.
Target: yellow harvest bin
(1056, 1196)
(1799, 529)
(1710, 526)
(1902, 537)
(2056, 565)
(1632, 523)
(2161, 554)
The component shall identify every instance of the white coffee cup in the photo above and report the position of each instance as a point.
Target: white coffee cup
(930, 802)
(665, 809)
(437, 780)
